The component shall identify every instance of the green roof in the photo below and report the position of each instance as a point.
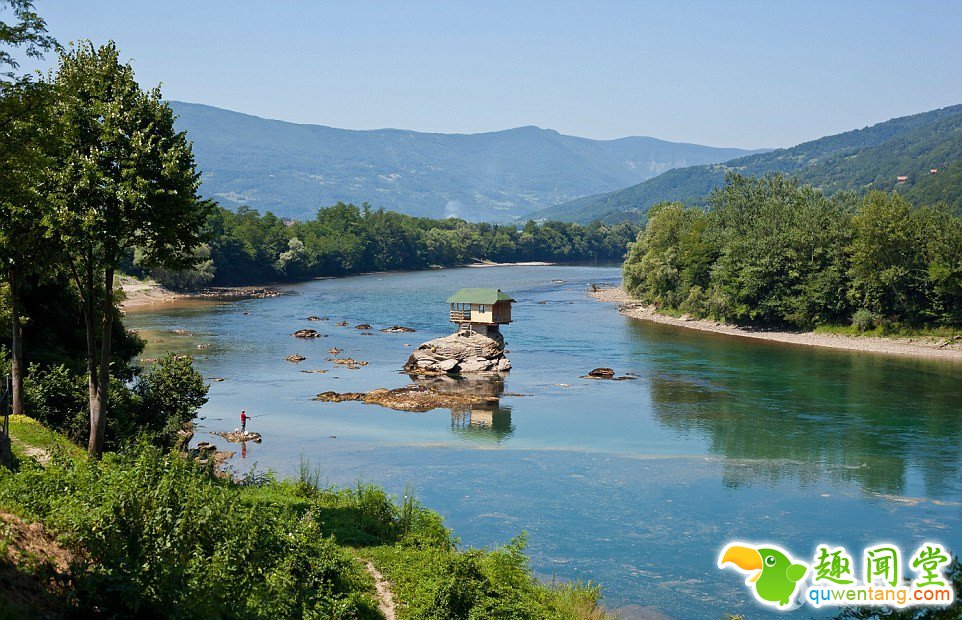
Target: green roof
(478, 296)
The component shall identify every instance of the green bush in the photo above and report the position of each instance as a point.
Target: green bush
(863, 320)
(170, 393)
(57, 398)
(478, 585)
(160, 403)
(162, 536)
(166, 538)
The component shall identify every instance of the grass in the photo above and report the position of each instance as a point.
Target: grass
(892, 331)
(162, 536)
(439, 583)
(29, 437)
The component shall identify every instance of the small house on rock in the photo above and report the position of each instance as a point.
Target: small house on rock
(481, 310)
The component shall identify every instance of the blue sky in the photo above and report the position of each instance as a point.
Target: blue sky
(749, 74)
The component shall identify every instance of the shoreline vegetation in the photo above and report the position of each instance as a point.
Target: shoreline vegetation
(930, 347)
(149, 533)
(140, 294)
(792, 264)
(249, 248)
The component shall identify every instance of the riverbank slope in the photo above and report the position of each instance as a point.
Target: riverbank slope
(309, 549)
(921, 346)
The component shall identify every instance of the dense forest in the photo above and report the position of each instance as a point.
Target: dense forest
(873, 158)
(248, 248)
(774, 251)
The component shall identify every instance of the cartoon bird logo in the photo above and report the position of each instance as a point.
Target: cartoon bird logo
(777, 577)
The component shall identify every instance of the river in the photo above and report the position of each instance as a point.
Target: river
(636, 484)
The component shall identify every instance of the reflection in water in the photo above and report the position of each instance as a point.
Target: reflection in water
(813, 413)
(488, 421)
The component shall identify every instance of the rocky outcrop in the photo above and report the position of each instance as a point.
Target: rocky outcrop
(463, 352)
(608, 373)
(306, 333)
(363, 326)
(238, 435)
(297, 357)
(398, 329)
(601, 373)
(408, 398)
(348, 362)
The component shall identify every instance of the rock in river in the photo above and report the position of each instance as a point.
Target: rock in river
(295, 358)
(240, 436)
(463, 352)
(306, 333)
(601, 373)
(408, 398)
(398, 329)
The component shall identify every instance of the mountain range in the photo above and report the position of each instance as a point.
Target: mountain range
(293, 169)
(919, 156)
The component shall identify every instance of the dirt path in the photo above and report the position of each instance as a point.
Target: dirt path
(385, 599)
(42, 456)
(927, 347)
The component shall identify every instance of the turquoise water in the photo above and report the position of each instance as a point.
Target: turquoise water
(636, 484)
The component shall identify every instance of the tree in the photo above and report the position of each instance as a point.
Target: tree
(779, 258)
(125, 179)
(24, 137)
(27, 31)
(671, 256)
(192, 279)
(171, 393)
(942, 232)
(888, 268)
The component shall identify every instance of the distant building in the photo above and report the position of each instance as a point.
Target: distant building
(902, 179)
(482, 310)
(934, 171)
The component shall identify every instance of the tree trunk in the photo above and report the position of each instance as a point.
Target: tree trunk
(95, 444)
(16, 366)
(103, 370)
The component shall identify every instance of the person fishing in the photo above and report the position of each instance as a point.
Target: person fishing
(244, 418)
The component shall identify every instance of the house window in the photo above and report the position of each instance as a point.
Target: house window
(481, 308)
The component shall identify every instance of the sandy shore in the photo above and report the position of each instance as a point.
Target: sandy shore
(137, 293)
(488, 263)
(146, 293)
(927, 347)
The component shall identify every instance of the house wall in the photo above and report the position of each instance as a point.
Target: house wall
(502, 310)
(482, 314)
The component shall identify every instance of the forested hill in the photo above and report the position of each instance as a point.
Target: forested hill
(292, 170)
(859, 160)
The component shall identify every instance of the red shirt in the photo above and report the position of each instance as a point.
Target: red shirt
(243, 416)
